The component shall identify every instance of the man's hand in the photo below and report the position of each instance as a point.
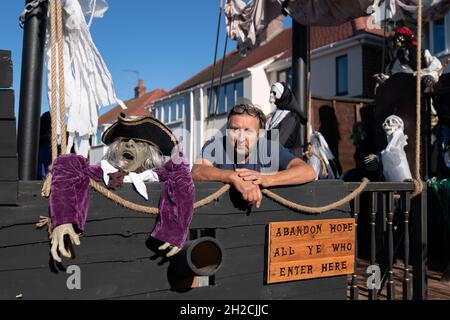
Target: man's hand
(250, 191)
(57, 238)
(257, 178)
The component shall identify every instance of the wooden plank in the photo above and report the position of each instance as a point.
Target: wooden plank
(92, 250)
(8, 193)
(9, 168)
(251, 287)
(6, 74)
(300, 250)
(241, 236)
(7, 104)
(98, 281)
(8, 141)
(296, 251)
(310, 269)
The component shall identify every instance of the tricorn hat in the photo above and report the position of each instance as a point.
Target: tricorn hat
(142, 128)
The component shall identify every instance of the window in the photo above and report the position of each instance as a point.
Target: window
(221, 108)
(180, 109)
(239, 88)
(173, 111)
(99, 137)
(438, 36)
(229, 93)
(166, 113)
(226, 97)
(156, 112)
(342, 75)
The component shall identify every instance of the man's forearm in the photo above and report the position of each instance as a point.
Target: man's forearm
(201, 172)
(297, 174)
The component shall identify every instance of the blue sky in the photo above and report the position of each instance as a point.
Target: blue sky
(166, 41)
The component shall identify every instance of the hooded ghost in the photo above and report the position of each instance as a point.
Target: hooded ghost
(287, 118)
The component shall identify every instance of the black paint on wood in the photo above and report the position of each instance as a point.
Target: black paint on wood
(8, 194)
(8, 168)
(7, 104)
(6, 74)
(8, 144)
(118, 259)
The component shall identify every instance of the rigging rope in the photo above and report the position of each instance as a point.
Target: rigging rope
(418, 180)
(211, 89)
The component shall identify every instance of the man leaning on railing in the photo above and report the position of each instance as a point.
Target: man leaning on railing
(247, 160)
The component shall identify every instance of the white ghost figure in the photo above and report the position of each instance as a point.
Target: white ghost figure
(321, 151)
(393, 157)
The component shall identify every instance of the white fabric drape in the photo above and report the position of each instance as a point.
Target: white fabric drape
(88, 82)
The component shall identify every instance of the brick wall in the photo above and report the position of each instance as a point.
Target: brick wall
(346, 114)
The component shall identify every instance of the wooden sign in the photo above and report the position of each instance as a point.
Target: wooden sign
(301, 250)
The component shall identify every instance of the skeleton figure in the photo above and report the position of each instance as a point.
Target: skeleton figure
(403, 58)
(393, 157)
(139, 151)
(287, 118)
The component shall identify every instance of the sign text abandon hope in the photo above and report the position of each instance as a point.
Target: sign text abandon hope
(301, 250)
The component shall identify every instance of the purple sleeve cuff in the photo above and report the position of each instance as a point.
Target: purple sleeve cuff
(176, 205)
(69, 196)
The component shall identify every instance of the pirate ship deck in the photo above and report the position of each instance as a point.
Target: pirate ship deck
(118, 259)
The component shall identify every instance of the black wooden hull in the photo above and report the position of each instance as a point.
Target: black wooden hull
(117, 259)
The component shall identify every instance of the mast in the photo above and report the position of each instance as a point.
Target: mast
(300, 69)
(31, 90)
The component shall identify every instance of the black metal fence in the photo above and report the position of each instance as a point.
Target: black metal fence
(391, 229)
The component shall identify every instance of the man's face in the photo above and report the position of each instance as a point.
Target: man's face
(243, 131)
(132, 154)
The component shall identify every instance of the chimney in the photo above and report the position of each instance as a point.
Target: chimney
(274, 27)
(140, 89)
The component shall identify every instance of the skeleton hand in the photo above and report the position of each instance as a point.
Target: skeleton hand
(371, 162)
(57, 238)
(381, 77)
(173, 251)
(428, 81)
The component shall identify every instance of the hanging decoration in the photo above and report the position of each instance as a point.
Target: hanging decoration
(88, 85)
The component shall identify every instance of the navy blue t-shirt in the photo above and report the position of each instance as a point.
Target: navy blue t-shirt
(267, 156)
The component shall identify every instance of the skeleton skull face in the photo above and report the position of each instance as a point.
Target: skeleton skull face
(399, 41)
(131, 154)
(276, 91)
(392, 124)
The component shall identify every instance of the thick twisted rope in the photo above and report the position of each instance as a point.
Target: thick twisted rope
(62, 99)
(152, 210)
(417, 176)
(53, 103)
(314, 210)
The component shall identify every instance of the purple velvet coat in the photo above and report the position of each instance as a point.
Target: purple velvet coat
(69, 197)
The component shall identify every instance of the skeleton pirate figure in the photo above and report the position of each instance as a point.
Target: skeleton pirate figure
(403, 58)
(287, 118)
(393, 157)
(139, 150)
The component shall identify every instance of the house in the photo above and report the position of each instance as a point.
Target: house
(337, 52)
(136, 107)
